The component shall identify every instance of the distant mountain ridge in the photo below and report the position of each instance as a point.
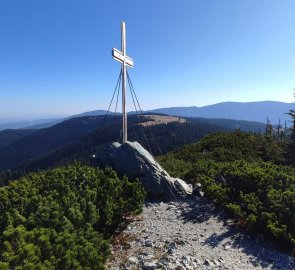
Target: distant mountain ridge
(249, 111)
(28, 124)
(45, 123)
(57, 121)
(257, 111)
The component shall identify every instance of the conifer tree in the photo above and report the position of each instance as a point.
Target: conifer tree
(268, 129)
(291, 146)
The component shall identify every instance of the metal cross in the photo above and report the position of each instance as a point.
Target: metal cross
(126, 61)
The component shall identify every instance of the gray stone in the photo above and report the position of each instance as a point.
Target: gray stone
(198, 261)
(216, 262)
(149, 266)
(132, 261)
(149, 243)
(146, 257)
(201, 194)
(185, 260)
(207, 262)
(198, 185)
(227, 247)
(132, 160)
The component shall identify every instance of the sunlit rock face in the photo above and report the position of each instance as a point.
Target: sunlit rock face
(132, 160)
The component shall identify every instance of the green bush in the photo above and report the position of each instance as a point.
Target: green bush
(250, 190)
(63, 218)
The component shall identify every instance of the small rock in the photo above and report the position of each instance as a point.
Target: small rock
(186, 260)
(197, 261)
(112, 251)
(171, 251)
(216, 262)
(145, 256)
(228, 222)
(149, 243)
(198, 185)
(227, 247)
(207, 262)
(132, 261)
(194, 264)
(149, 266)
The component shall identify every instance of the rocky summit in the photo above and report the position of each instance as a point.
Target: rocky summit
(132, 160)
(192, 235)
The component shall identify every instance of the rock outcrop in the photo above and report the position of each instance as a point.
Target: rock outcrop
(132, 160)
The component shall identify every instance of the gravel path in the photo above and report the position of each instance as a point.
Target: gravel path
(191, 235)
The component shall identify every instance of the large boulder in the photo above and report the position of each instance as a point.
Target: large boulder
(132, 160)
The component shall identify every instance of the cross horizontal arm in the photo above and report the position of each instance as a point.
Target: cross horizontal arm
(117, 55)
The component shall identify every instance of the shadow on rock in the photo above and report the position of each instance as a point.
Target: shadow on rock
(200, 210)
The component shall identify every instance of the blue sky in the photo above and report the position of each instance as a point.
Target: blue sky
(55, 55)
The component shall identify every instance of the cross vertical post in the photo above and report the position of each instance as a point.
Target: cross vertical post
(122, 57)
(123, 49)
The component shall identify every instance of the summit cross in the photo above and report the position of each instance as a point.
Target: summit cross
(122, 57)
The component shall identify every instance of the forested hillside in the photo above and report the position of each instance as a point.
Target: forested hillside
(247, 174)
(63, 218)
(10, 136)
(45, 140)
(76, 139)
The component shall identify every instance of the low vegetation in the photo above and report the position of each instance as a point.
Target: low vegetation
(63, 218)
(245, 173)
